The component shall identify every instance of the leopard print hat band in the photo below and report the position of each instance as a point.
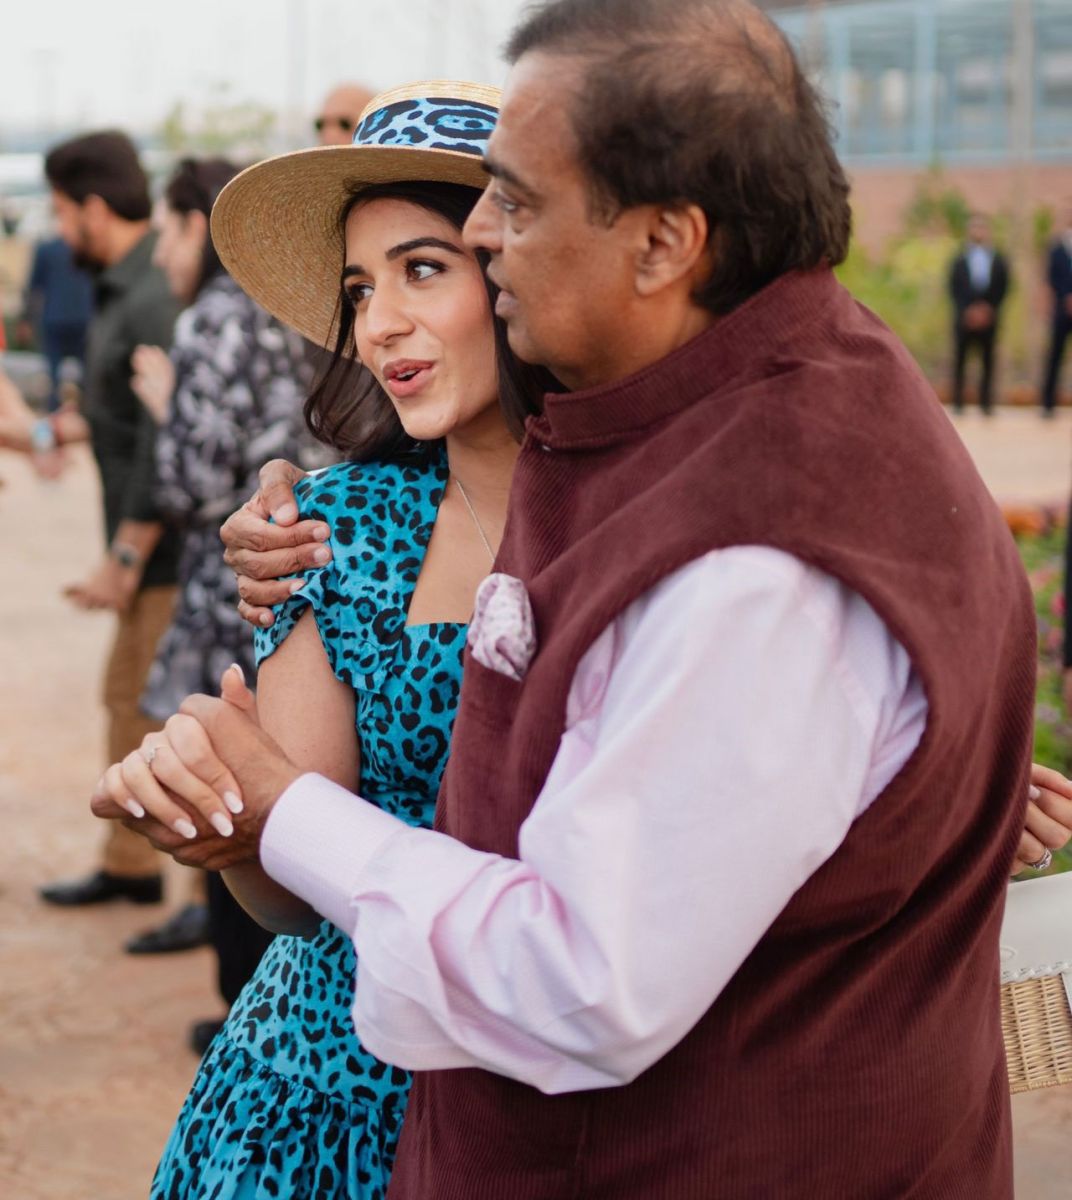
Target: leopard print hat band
(429, 123)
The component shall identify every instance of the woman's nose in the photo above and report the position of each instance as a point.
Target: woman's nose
(385, 317)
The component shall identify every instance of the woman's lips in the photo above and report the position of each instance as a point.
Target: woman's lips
(403, 388)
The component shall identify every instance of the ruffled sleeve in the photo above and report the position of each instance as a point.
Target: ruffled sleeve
(381, 517)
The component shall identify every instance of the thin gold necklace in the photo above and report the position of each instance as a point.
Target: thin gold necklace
(476, 519)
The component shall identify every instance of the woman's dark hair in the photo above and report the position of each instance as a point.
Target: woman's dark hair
(193, 187)
(701, 102)
(349, 410)
(101, 164)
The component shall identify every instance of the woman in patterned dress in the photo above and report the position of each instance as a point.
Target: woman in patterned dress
(287, 1103)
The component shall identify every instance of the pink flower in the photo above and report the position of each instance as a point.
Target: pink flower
(502, 634)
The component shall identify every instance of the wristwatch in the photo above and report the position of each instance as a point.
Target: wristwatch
(125, 555)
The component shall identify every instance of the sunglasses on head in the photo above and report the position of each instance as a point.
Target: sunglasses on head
(344, 123)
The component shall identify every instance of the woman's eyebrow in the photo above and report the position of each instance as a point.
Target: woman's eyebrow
(405, 248)
(417, 243)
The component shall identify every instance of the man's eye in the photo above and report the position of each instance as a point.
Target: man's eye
(503, 204)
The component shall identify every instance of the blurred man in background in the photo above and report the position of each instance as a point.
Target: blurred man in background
(101, 199)
(1059, 277)
(337, 119)
(978, 283)
(57, 308)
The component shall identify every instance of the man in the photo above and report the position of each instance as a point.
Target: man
(1059, 277)
(100, 195)
(978, 282)
(337, 119)
(713, 905)
(58, 305)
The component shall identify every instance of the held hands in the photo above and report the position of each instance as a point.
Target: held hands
(202, 789)
(1048, 825)
(153, 380)
(260, 553)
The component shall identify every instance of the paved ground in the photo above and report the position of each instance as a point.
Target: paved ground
(92, 1059)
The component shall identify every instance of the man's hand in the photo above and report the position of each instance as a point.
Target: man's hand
(110, 586)
(203, 788)
(1048, 825)
(978, 316)
(262, 554)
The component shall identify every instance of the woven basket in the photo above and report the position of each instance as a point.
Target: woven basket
(1036, 988)
(1037, 1025)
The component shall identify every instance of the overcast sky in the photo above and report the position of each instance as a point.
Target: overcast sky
(85, 63)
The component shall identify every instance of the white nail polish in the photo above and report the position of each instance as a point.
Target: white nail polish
(221, 824)
(241, 673)
(185, 828)
(133, 807)
(234, 804)
(1033, 792)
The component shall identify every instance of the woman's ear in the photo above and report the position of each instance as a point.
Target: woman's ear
(676, 242)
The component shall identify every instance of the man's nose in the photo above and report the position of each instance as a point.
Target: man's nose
(482, 229)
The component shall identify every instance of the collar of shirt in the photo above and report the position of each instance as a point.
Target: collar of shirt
(122, 275)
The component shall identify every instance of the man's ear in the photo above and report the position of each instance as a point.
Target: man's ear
(94, 208)
(675, 244)
(197, 221)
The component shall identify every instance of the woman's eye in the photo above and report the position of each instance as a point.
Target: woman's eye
(423, 270)
(358, 292)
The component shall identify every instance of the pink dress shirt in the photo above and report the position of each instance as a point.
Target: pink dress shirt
(722, 735)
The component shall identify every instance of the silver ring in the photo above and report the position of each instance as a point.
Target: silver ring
(1043, 863)
(149, 755)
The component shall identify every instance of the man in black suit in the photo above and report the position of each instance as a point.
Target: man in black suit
(978, 282)
(1059, 277)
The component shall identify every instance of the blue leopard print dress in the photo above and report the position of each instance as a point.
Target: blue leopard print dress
(287, 1105)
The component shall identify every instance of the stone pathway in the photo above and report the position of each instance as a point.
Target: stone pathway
(93, 1064)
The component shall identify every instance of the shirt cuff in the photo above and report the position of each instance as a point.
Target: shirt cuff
(318, 840)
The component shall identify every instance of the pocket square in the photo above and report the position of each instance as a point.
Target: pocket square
(502, 634)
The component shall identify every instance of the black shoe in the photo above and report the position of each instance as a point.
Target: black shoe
(101, 886)
(187, 929)
(202, 1033)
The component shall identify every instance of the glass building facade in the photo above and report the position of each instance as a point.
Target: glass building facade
(917, 82)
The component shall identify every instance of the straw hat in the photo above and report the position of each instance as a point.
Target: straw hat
(276, 225)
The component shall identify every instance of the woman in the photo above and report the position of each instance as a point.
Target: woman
(228, 398)
(286, 1101)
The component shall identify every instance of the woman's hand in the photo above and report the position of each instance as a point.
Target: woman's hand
(211, 774)
(262, 554)
(153, 380)
(1048, 825)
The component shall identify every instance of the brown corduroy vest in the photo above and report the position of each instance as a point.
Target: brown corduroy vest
(857, 1053)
